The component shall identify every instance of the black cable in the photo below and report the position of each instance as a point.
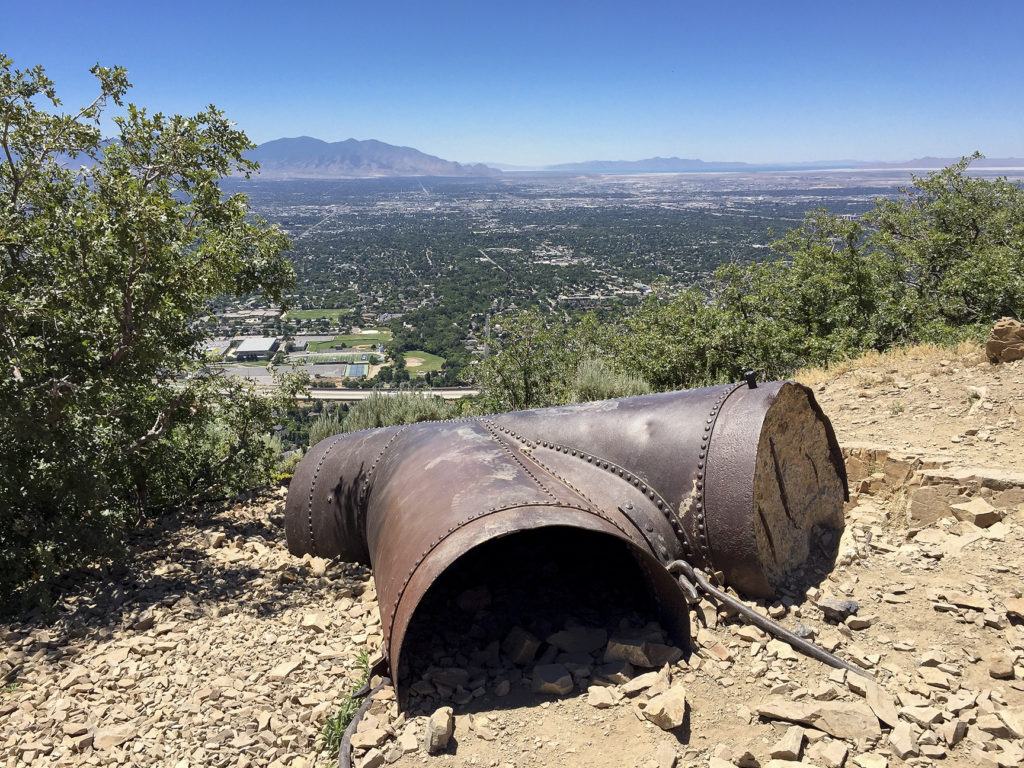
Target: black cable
(691, 579)
(345, 748)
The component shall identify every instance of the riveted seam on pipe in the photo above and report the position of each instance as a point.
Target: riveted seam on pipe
(615, 471)
(492, 430)
(660, 552)
(524, 440)
(621, 472)
(484, 513)
(592, 460)
(562, 480)
(365, 488)
(312, 491)
(698, 477)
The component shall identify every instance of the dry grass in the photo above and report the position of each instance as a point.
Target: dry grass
(874, 367)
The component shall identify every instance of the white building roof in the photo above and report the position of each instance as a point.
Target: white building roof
(257, 344)
(216, 346)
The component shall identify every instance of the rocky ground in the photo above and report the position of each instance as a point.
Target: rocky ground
(217, 648)
(928, 402)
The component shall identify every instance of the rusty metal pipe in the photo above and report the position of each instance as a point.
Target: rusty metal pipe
(735, 479)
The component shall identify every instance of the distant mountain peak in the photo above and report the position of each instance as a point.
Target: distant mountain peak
(683, 165)
(305, 157)
(929, 162)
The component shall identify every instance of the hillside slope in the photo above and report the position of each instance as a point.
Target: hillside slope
(218, 648)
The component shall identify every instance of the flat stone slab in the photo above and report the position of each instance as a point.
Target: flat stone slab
(842, 719)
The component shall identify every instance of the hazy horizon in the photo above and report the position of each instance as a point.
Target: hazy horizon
(534, 84)
(834, 164)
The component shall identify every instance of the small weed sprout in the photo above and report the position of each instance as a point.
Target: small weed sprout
(896, 409)
(334, 727)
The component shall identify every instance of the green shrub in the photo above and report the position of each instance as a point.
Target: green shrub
(107, 263)
(286, 467)
(532, 366)
(597, 380)
(325, 425)
(388, 410)
(334, 727)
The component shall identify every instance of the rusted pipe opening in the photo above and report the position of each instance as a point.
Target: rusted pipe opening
(539, 581)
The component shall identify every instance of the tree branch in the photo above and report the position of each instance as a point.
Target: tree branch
(16, 182)
(162, 423)
(128, 318)
(53, 144)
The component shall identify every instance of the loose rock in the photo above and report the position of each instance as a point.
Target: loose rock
(440, 728)
(902, 741)
(372, 737)
(838, 610)
(667, 710)
(790, 745)
(579, 639)
(665, 755)
(1006, 341)
(520, 646)
(315, 622)
(408, 742)
(881, 703)
(372, 759)
(600, 697)
(833, 754)
(626, 648)
(552, 678)
(1000, 667)
(977, 512)
(105, 738)
(1015, 608)
(842, 719)
(871, 760)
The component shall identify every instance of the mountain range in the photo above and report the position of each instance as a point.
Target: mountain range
(943, 162)
(682, 165)
(308, 158)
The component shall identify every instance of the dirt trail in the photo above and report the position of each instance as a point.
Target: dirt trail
(217, 648)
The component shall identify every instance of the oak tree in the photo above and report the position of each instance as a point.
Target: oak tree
(110, 251)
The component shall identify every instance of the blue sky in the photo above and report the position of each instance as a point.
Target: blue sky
(558, 81)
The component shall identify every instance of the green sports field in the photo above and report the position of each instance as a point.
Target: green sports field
(379, 336)
(316, 314)
(429, 362)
